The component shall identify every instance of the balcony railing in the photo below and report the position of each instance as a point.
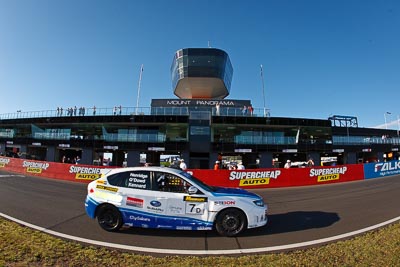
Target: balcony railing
(264, 140)
(115, 111)
(362, 140)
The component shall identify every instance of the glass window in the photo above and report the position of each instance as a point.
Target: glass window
(199, 130)
(171, 183)
(131, 179)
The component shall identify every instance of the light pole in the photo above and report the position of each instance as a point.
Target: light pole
(398, 126)
(384, 115)
(263, 89)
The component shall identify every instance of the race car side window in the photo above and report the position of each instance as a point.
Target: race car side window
(117, 179)
(160, 181)
(170, 183)
(131, 179)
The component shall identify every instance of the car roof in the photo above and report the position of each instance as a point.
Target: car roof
(150, 168)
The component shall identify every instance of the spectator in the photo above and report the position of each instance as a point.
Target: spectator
(244, 111)
(251, 110)
(217, 109)
(240, 166)
(183, 165)
(216, 165)
(288, 164)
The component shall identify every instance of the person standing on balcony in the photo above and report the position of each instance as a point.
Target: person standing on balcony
(251, 110)
(244, 111)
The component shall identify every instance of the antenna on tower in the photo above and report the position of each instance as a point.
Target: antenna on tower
(209, 45)
(263, 89)
(138, 90)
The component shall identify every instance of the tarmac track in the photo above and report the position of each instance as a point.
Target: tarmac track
(298, 217)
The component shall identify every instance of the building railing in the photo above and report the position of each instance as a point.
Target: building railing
(136, 138)
(264, 140)
(118, 110)
(362, 140)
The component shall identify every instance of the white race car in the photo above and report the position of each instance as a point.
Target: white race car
(158, 197)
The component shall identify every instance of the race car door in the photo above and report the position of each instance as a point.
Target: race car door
(138, 206)
(183, 211)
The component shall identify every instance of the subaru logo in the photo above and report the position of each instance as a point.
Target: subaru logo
(155, 203)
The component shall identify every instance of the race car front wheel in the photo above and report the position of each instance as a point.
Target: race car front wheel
(109, 218)
(231, 222)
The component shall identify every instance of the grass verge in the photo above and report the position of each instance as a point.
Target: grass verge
(22, 246)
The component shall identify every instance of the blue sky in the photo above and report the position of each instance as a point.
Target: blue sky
(320, 58)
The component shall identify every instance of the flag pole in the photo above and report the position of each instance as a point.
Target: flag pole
(263, 87)
(138, 91)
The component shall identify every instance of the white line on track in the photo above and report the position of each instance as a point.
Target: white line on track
(202, 252)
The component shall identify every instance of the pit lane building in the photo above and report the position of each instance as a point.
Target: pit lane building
(200, 126)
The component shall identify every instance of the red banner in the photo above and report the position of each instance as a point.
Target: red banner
(61, 171)
(269, 178)
(248, 179)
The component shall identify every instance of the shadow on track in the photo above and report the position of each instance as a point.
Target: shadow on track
(295, 221)
(278, 223)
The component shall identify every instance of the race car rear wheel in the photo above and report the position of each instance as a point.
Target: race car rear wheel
(109, 218)
(230, 222)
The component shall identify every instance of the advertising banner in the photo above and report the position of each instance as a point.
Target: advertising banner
(269, 178)
(381, 169)
(61, 171)
(247, 179)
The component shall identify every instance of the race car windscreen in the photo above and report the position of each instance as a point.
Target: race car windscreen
(198, 182)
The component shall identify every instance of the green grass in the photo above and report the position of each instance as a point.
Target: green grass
(22, 246)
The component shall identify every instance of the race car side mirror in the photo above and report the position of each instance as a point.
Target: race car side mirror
(192, 190)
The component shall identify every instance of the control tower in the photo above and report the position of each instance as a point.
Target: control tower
(201, 73)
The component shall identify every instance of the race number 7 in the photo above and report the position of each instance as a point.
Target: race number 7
(194, 208)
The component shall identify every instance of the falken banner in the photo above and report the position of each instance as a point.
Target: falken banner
(381, 169)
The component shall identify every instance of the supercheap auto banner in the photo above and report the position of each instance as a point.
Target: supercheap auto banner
(248, 179)
(381, 169)
(61, 171)
(269, 178)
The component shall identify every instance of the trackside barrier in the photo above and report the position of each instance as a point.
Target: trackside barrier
(381, 169)
(251, 178)
(270, 178)
(61, 171)
(248, 179)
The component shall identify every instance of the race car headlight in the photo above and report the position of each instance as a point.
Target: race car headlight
(259, 202)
